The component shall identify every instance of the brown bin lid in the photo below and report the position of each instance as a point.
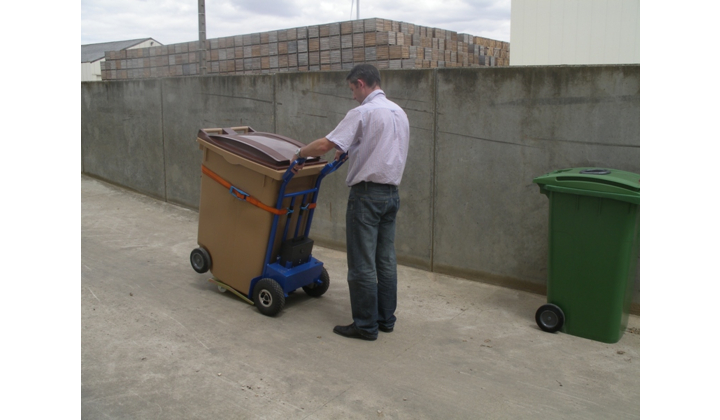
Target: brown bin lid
(268, 149)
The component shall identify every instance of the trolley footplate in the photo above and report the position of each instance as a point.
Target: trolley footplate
(226, 287)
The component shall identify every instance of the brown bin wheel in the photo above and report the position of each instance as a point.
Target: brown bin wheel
(318, 289)
(200, 260)
(269, 297)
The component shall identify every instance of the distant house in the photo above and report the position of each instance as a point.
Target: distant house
(94, 54)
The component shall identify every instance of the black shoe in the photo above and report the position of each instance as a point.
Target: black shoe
(351, 332)
(385, 329)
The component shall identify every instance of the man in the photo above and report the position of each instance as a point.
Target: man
(375, 135)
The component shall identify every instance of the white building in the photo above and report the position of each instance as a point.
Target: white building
(559, 32)
(94, 54)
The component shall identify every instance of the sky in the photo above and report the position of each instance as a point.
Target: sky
(171, 22)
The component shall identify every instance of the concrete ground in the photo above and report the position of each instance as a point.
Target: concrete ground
(160, 342)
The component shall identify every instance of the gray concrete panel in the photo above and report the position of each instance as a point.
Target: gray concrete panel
(121, 134)
(414, 91)
(309, 106)
(193, 103)
(500, 128)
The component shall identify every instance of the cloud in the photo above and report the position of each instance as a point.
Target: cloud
(165, 21)
(272, 9)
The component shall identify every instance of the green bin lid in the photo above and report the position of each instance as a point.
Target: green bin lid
(596, 182)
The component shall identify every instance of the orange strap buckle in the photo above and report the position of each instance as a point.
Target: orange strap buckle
(241, 195)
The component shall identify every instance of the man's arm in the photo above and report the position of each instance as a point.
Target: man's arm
(317, 148)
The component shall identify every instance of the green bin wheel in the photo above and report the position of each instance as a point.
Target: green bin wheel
(200, 260)
(268, 296)
(550, 318)
(318, 289)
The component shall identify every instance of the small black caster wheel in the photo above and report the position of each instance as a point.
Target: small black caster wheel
(550, 318)
(318, 289)
(200, 260)
(269, 297)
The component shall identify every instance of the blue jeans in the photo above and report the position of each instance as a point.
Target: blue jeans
(372, 266)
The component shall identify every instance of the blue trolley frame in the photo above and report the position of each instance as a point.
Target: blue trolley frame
(290, 277)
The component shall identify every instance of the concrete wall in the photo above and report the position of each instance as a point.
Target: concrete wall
(478, 138)
(190, 104)
(122, 134)
(496, 131)
(310, 105)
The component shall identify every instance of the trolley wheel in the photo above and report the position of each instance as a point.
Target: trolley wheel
(200, 260)
(268, 296)
(550, 318)
(318, 289)
(221, 289)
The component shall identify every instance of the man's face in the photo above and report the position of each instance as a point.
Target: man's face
(360, 90)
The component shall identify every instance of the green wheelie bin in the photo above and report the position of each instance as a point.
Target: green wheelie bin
(594, 243)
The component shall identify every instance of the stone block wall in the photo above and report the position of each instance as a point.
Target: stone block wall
(385, 43)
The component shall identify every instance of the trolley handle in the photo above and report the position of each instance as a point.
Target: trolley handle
(299, 163)
(334, 165)
(294, 168)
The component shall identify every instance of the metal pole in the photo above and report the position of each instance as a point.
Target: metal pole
(202, 34)
(358, 10)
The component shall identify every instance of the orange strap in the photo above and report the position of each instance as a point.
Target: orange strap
(249, 199)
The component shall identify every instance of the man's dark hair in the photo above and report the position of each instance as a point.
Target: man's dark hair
(367, 72)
